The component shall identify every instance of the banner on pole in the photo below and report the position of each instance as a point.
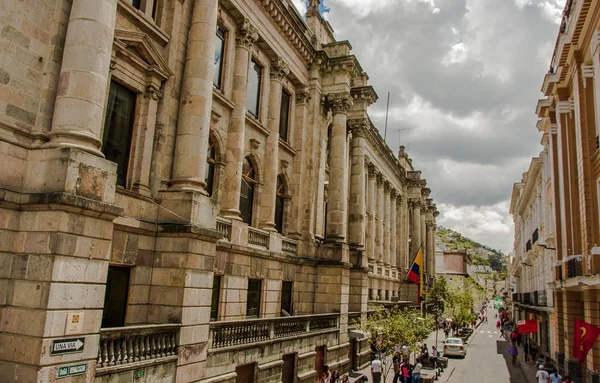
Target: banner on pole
(584, 336)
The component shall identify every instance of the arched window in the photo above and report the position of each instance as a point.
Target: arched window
(209, 176)
(279, 204)
(247, 191)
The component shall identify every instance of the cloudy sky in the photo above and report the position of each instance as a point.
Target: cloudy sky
(464, 78)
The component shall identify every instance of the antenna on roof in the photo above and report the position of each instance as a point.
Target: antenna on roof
(387, 109)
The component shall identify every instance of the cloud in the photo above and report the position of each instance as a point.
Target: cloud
(464, 78)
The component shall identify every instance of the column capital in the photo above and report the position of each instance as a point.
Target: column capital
(247, 34)
(359, 126)
(338, 102)
(303, 96)
(386, 186)
(413, 202)
(379, 177)
(279, 69)
(394, 193)
(371, 169)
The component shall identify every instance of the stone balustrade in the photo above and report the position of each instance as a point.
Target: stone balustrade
(124, 348)
(235, 333)
(224, 227)
(258, 238)
(289, 246)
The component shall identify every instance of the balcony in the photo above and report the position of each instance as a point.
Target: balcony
(236, 333)
(527, 298)
(540, 298)
(574, 266)
(516, 297)
(132, 347)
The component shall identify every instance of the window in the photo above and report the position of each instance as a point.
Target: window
(254, 88)
(219, 50)
(115, 297)
(118, 128)
(137, 4)
(279, 204)
(284, 118)
(209, 177)
(253, 301)
(286, 298)
(214, 303)
(247, 192)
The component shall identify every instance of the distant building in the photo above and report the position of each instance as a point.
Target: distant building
(452, 264)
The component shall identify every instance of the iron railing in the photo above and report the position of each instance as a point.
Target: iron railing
(575, 267)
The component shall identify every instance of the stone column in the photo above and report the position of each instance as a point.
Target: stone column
(82, 84)
(338, 185)
(356, 218)
(424, 242)
(415, 242)
(234, 155)
(371, 201)
(393, 229)
(193, 124)
(380, 215)
(279, 70)
(430, 245)
(386, 225)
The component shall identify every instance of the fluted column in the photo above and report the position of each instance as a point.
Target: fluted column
(430, 244)
(393, 228)
(415, 242)
(279, 70)
(338, 185)
(386, 223)
(424, 241)
(401, 234)
(371, 200)
(82, 84)
(380, 218)
(193, 124)
(234, 155)
(358, 179)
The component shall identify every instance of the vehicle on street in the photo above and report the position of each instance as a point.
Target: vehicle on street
(455, 347)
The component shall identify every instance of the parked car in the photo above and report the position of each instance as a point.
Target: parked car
(455, 347)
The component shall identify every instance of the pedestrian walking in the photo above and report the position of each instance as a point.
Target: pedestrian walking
(533, 350)
(542, 375)
(335, 376)
(416, 372)
(567, 379)
(514, 353)
(555, 376)
(397, 363)
(526, 351)
(376, 370)
(405, 371)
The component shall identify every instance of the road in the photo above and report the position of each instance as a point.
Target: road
(487, 359)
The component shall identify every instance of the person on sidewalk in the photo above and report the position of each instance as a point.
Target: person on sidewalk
(397, 361)
(405, 371)
(514, 353)
(526, 351)
(555, 376)
(416, 372)
(533, 350)
(566, 379)
(542, 375)
(376, 370)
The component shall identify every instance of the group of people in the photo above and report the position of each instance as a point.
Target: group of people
(543, 376)
(404, 371)
(328, 376)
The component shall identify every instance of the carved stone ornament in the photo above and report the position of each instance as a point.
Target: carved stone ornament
(153, 92)
(215, 117)
(303, 96)
(359, 126)
(247, 34)
(313, 7)
(254, 144)
(338, 102)
(283, 166)
(279, 69)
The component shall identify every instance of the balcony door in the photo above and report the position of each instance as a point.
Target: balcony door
(288, 372)
(319, 360)
(115, 297)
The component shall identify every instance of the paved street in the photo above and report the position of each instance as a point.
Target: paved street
(487, 359)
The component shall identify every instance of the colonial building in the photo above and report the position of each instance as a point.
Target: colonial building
(193, 191)
(569, 118)
(531, 267)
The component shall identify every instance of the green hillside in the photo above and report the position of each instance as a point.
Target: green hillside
(448, 239)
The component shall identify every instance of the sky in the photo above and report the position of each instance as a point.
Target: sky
(464, 78)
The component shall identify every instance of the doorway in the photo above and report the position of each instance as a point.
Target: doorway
(245, 373)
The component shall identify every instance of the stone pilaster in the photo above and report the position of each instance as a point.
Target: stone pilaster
(393, 229)
(279, 70)
(424, 242)
(415, 237)
(193, 124)
(82, 84)
(234, 155)
(386, 225)
(371, 201)
(401, 235)
(380, 215)
(356, 217)
(339, 103)
(430, 245)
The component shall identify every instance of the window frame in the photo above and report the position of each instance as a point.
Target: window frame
(280, 198)
(215, 300)
(258, 302)
(285, 127)
(290, 308)
(250, 183)
(223, 40)
(211, 166)
(255, 63)
(107, 296)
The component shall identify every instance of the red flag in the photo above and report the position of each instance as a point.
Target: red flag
(584, 337)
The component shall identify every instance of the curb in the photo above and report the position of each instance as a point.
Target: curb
(451, 372)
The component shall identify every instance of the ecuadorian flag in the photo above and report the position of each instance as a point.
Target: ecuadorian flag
(415, 274)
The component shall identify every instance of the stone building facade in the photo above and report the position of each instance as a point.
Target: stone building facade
(193, 191)
(569, 118)
(531, 266)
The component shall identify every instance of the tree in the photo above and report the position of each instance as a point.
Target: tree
(388, 328)
(436, 299)
(461, 303)
(497, 262)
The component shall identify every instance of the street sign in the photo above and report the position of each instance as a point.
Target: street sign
(76, 369)
(65, 346)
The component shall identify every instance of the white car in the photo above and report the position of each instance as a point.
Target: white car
(455, 347)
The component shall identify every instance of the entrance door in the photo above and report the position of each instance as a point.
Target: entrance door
(353, 354)
(245, 373)
(288, 372)
(319, 360)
